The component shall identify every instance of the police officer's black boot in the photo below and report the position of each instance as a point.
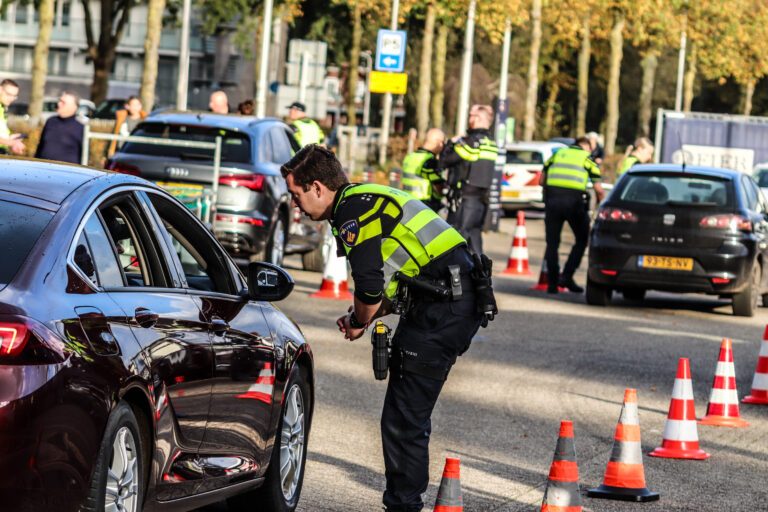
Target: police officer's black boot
(568, 282)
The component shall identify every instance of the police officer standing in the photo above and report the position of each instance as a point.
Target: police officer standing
(385, 234)
(421, 176)
(305, 130)
(565, 178)
(470, 161)
(9, 142)
(641, 152)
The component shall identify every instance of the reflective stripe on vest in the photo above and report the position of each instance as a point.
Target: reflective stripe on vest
(568, 169)
(412, 182)
(627, 164)
(488, 149)
(308, 132)
(419, 237)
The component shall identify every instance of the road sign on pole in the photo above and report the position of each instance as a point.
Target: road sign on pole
(381, 82)
(390, 50)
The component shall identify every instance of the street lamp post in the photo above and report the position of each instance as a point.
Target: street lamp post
(266, 35)
(367, 96)
(466, 70)
(183, 85)
(385, 122)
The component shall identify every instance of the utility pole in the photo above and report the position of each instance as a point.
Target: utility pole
(503, 82)
(681, 66)
(367, 96)
(266, 36)
(385, 122)
(466, 71)
(183, 85)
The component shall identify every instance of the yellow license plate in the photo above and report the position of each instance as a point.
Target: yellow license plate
(512, 194)
(665, 262)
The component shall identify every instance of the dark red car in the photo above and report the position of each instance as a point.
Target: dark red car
(139, 370)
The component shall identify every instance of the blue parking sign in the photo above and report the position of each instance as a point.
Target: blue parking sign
(390, 50)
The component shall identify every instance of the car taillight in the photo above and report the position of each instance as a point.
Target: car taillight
(124, 168)
(253, 182)
(25, 341)
(240, 220)
(728, 221)
(616, 215)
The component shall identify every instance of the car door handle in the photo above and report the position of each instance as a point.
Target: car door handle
(146, 318)
(219, 326)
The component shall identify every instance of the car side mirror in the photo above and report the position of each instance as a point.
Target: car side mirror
(268, 282)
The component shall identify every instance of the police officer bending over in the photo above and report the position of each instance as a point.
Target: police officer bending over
(565, 178)
(391, 238)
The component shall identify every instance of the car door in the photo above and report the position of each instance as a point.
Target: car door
(167, 325)
(759, 215)
(238, 432)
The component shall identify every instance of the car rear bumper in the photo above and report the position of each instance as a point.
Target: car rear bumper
(242, 235)
(725, 270)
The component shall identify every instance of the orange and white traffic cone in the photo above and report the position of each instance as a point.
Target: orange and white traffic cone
(517, 264)
(334, 284)
(759, 394)
(681, 437)
(624, 475)
(264, 386)
(543, 283)
(723, 407)
(562, 492)
(449, 494)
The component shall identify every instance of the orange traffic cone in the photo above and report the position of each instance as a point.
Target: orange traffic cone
(759, 394)
(262, 389)
(449, 495)
(541, 286)
(624, 475)
(681, 437)
(517, 264)
(562, 492)
(723, 408)
(334, 284)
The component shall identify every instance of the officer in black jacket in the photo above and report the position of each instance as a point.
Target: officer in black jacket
(470, 161)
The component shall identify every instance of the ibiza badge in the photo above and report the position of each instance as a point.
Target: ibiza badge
(348, 232)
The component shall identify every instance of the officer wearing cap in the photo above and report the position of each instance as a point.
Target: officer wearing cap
(383, 231)
(305, 130)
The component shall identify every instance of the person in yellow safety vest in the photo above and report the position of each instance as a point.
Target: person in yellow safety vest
(565, 178)
(305, 130)
(387, 234)
(421, 175)
(9, 142)
(471, 161)
(641, 152)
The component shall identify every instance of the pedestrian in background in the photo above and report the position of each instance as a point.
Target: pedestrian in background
(421, 173)
(471, 161)
(218, 102)
(246, 108)
(9, 142)
(305, 130)
(126, 119)
(62, 137)
(565, 178)
(641, 152)
(597, 153)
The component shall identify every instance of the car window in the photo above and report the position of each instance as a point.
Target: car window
(295, 147)
(235, 146)
(750, 192)
(676, 189)
(205, 266)
(762, 179)
(265, 148)
(520, 156)
(100, 248)
(20, 227)
(281, 148)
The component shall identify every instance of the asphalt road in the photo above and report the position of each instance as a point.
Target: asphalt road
(544, 359)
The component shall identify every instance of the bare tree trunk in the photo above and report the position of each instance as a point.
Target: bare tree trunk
(102, 51)
(40, 59)
(155, 10)
(354, 62)
(649, 64)
(690, 77)
(749, 92)
(438, 92)
(425, 71)
(533, 72)
(554, 90)
(585, 53)
(612, 114)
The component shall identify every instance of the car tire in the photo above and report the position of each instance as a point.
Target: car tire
(314, 261)
(120, 471)
(634, 294)
(274, 248)
(275, 494)
(745, 302)
(597, 294)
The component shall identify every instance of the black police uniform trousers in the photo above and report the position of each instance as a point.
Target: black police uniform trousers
(433, 334)
(469, 219)
(563, 206)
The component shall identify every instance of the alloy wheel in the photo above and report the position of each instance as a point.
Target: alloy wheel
(278, 243)
(292, 439)
(122, 493)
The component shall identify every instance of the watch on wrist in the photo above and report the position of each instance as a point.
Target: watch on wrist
(354, 322)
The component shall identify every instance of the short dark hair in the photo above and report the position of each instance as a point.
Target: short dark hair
(583, 140)
(10, 82)
(315, 163)
(131, 98)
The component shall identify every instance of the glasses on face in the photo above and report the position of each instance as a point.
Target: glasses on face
(11, 95)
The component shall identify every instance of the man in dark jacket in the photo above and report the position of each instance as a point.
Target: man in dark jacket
(62, 137)
(470, 161)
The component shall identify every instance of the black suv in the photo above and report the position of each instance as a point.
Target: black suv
(254, 218)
